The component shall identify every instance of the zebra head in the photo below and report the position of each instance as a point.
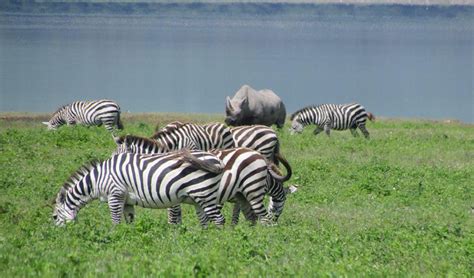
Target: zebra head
(49, 125)
(58, 119)
(68, 200)
(62, 213)
(296, 126)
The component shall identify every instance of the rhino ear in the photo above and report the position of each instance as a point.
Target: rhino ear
(229, 104)
(244, 102)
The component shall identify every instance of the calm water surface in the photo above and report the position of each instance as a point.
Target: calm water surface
(405, 62)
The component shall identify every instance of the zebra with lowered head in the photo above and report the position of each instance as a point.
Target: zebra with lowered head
(332, 116)
(150, 181)
(95, 112)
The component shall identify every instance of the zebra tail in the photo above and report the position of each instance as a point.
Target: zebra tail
(285, 163)
(371, 116)
(202, 164)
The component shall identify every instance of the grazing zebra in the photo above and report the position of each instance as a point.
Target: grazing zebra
(150, 181)
(96, 112)
(238, 163)
(332, 116)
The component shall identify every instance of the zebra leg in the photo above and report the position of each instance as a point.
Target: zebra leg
(364, 131)
(202, 216)
(354, 132)
(317, 130)
(210, 208)
(214, 214)
(248, 212)
(259, 210)
(116, 206)
(174, 215)
(129, 213)
(241, 204)
(109, 125)
(235, 213)
(327, 129)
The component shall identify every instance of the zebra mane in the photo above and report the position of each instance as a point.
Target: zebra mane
(302, 110)
(74, 178)
(133, 139)
(60, 108)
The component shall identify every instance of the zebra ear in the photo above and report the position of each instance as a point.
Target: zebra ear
(118, 140)
(292, 188)
(45, 123)
(61, 198)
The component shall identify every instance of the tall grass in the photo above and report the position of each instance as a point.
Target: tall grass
(398, 204)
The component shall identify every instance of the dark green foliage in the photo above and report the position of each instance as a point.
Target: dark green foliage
(399, 204)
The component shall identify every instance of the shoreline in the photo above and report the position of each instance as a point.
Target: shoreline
(165, 117)
(317, 2)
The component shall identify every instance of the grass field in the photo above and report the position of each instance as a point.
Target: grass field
(400, 204)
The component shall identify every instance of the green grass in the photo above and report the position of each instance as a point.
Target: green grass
(400, 204)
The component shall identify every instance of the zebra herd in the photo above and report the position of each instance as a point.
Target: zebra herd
(203, 165)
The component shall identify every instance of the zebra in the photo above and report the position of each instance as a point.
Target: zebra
(95, 112)
(236, 162)
(332, 116)
(177, 135)
(150, 181)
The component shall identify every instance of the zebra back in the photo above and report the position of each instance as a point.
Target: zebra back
(220, 135)
(257, 137)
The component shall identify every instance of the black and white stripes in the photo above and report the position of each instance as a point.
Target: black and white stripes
(96, 112)
(332, 116)
(151, 181)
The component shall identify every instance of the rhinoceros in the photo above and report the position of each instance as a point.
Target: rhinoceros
(249, 107)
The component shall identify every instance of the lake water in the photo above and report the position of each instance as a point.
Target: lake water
(398, 61)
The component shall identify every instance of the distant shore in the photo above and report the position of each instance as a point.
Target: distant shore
(162, 118)
(361, 2)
